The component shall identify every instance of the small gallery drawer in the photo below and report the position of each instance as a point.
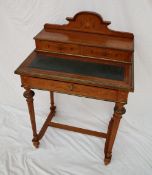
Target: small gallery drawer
(111, 54)
(57, 47)
(70, 88)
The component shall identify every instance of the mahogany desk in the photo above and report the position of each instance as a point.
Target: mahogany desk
(83, 58)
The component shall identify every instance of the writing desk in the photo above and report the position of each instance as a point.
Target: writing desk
(82, 58)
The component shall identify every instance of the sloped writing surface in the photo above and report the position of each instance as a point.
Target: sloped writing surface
(44, 62)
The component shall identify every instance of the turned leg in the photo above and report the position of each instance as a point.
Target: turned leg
(53, 107)
(28, 94)
(119, 110)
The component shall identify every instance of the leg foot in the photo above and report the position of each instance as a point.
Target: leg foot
(107, 161)
(107, 158)
(36, 144)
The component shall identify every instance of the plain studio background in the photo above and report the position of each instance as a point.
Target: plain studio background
(62, 152)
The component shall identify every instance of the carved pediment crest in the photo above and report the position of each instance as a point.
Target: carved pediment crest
(88, 21)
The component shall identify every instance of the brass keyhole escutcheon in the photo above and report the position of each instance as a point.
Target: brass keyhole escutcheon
(71, 87)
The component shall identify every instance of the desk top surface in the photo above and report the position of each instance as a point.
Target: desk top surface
(63, 68)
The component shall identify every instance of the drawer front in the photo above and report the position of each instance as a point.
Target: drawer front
(57, 47)
(70, 88)
(100, 53)
(111, 54)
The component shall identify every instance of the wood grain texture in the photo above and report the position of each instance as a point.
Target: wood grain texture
(91, 22)
(63, 87)
(86, 38)
(79, 130)
(85, 50)
(86, 34)
(127, 84)
(119, 110)
(28, 94)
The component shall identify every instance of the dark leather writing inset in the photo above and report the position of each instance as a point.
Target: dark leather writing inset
(72, 66)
